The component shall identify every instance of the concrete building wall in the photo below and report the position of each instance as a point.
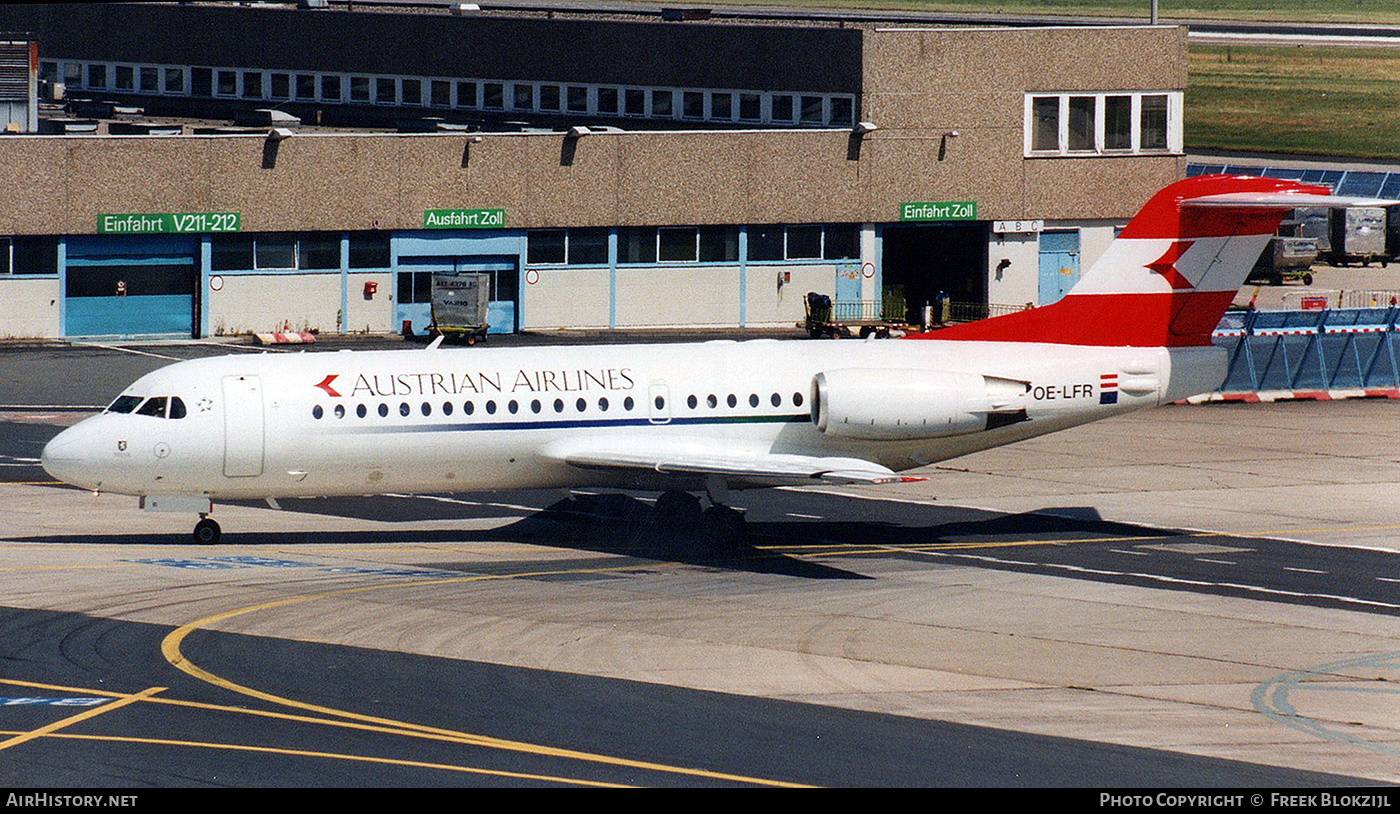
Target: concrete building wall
(59, 185)
(31, 308)
(252, 303)
(567, 298)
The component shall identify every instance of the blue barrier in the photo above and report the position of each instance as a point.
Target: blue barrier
(1337, 353)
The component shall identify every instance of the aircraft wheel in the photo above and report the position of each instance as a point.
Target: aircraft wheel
(681, 507)
(206, 532)
(725, 526)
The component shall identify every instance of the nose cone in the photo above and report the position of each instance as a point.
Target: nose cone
(69, 457)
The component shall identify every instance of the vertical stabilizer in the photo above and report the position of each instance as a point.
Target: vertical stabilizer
(1169, 276)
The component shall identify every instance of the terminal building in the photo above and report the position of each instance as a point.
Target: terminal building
(201, 170)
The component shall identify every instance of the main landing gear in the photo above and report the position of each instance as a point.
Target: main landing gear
(681, 514)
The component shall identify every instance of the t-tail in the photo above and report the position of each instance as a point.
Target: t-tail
(1169, 276)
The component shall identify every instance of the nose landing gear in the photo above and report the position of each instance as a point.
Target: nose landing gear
(206, 531)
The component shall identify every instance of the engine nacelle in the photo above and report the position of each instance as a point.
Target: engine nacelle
(912, 404)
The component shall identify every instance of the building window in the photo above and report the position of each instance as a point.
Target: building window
(636, 245)
(252, 85)
(274, 251)
(524, 96)
(750, 107)
(415, 287)
(636, 102)
(494, 97)
(369, 250)
(360, 89)
(661, 104)
(330, 88)
(411, 92)
(441, 91)
(574, 247)
(1118, 123)
(306, 86)
(545, 246)
(587, 246)
(386, 91)
(782, 108)
(722, 106)
(320, 250)
(766, 242)
(549, 97)
(1103, 123)
(836, 241)
(466, 94)
(1153, 122)
(677, 244)
(29, 255)
(719, 244)
(608, 101)
(202, 81)
(693, 105)
(175, 80)
(578, 99)
(281, 86)
(278, 252)
(842, 111)
(226, 83)
(1082, 124)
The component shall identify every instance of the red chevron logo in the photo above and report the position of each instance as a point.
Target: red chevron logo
(326, 385)
(1166, 265)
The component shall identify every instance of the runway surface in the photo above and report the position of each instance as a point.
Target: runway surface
(1039, 615)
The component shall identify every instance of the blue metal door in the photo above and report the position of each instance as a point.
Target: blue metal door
(413, 304)
(848, 282)
(129, 296)
(1059, 263)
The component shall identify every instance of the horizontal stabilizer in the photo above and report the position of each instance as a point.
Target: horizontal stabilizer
(1287, 200)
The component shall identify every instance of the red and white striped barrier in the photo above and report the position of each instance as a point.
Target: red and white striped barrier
(285, 338)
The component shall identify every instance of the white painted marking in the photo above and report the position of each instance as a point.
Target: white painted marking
(1351, 600)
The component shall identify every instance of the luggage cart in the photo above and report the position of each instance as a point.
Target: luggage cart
(836, 319)
(460, 303)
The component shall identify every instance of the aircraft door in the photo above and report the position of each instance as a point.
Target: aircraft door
(243, 426)
(659, 403)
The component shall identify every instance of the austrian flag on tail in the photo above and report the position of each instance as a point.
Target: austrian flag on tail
(1108, 388)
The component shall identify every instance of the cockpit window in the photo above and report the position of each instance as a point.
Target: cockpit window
(124, 404)
(177, 407)
(153, 407)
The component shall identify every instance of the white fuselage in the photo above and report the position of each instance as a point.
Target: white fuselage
(349, 423)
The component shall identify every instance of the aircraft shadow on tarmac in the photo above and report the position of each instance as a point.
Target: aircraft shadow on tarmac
(624, 525)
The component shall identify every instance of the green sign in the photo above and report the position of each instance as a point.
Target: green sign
(167, 223)
(464, 219)
(938, 210)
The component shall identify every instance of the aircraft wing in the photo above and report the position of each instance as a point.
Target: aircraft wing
(767, 469)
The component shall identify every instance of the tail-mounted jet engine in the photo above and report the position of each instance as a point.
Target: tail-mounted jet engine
(897, 405)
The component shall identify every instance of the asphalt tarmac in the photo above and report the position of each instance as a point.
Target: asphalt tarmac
(1191, 596)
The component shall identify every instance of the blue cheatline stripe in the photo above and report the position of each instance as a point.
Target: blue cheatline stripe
(569, 424)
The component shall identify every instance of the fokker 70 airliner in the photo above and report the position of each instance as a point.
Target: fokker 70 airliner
(1134, 332)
